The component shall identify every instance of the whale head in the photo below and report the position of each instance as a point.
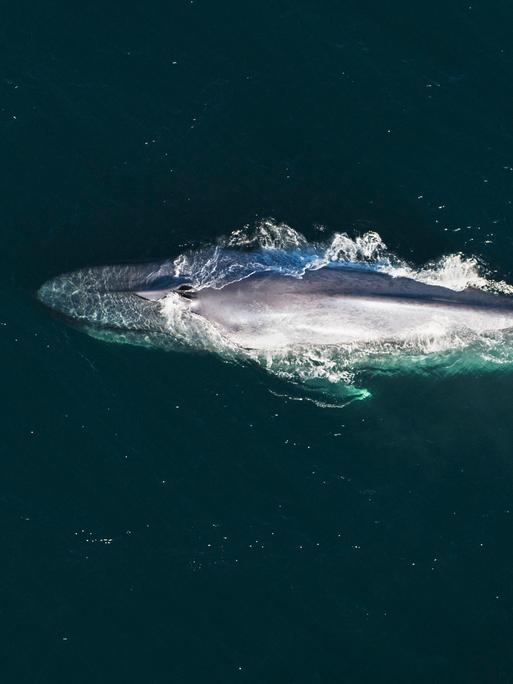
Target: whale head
(114, 298)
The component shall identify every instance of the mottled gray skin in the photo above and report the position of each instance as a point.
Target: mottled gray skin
(105, 297)
(126, 298)
(345, 281)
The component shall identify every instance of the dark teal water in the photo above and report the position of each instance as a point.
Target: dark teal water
(167, 517)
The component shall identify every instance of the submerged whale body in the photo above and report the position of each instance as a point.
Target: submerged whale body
(270, 310)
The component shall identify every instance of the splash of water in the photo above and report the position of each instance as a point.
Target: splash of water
(341, 372)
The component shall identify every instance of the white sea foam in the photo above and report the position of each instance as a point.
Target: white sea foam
(273, 246)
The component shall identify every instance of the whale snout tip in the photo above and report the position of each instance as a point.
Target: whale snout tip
(57, 295)
(44, 294)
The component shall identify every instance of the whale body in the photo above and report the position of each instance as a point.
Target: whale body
(331, 305)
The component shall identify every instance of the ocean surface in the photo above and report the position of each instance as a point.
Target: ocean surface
(191, 516)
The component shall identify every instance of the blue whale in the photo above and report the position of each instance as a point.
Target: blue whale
(266, 310)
